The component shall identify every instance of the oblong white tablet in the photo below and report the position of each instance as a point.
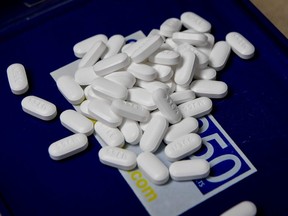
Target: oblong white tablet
(244, 208)
(196, 108)
(183, 146)
(209, 88)
(182, 96)
(117, 157)
(165, 57)
(84, 109)
(164, 72)
(76, 122)
(184, 127)
(205, 74)
(39, 108)
(152, 86)
(219, 55)
(123, 78)
(141, 96)
(111, 64)
(101, 111)
(70, 89)
(130, 110)
(194, 21)
(196, 39)
(90, 94)
(114, 45)
(169, 26)
(186, 170)
(85, 76)
(240, 45)
(17, 79)
(153, 168)
(131, 131)
(68, 146)
(111, 136)
(206, 49)
(142, 71)
(154, 134)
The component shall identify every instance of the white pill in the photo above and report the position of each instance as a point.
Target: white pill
(187, 170)
(154, 134)
(184, 127)
(127, 48)
(76, 122)
(68, 146)
(110, 135)
(90, 95)
(142, 71)
(85, 76)
(130, 110)
(147, 48)
(209, 88)
(101, 111)
(93, 54)
(70, 89)
(169, 26)
(194, 21)
(171, 43)
(196, 39)
(141, 96)
(153, 168)
(165, 57)
(181, 88)
(17, 79)
(206, 49)
(205, 74)
(183, 147)
(152, 86)
(39, 108)
(219, 55)
(84, 109)
(114, 45)
(131, 131)
(184, 71)
(240, 45)
(164, 72)
(143, 125)
(244, 208)
(109, 89)
(117, 157)
(172, 85)
(153, 32)
(196, 108)
(111, 64)
(166, 106)
(123, 78)
(182, 96)
(82, 47)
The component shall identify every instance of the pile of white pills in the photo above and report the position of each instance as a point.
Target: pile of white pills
(145, 92)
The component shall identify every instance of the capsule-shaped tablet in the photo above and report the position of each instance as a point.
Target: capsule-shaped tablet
(205, 74)
(209, 88)
(169, 26)
(166, 106)
(196, 39)
(117, 157)
(187, 170)
(114, 45)
(141, 96)
(240, 45)
(154, 134)
(183, 146)
(76, 122)
(153, 168)
(70, 89)
(39, 108)
(123, 78)
(142, 71)
(182, 96)
(244, 208)
(152, 86)
(196, 108)
(144, 125)
(131, 131)
(17, 79)
(90, 95)
(130, 110)
(219, 55)
(206, 49)
(194, 21)
(111, 136)
(184, 127)
(84, 109)
(85, 76)
(68, 146)
(164, 72)
(165, 57)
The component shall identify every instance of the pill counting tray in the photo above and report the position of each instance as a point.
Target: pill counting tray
(254, 114)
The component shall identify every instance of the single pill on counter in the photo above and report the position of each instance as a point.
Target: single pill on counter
(17, 79)
(153, 168)
(154, 134)
(123, 78)
(114, 45)
(166, 106)
(209, 88)
(68, 146)
(196, 39)
(141, 96)
(169, 26)
(39, 108)
(240, 45)
(117, 157)
(187, 170)
(85, 76)
(70, 89)
(205, 74)
(111, 136)
(194, 21)
(219, 55)
(196, 108)
(183, 146)
(165, 57)
(184, 127)
(142, 71)
(76, 122)
(244, 208)
(131, 131)
(182, 96)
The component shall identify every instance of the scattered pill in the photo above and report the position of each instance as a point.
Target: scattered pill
(196, 108)
(194, 21)
(182, 96)
(169, 26)
(141, 96)
(17, 79)
(209, 88)
(123, 78)
(114, 45)
(131, 131)
(85, 76)
(244, 208)
(196, 39)
(219, 55)
(142, 71)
